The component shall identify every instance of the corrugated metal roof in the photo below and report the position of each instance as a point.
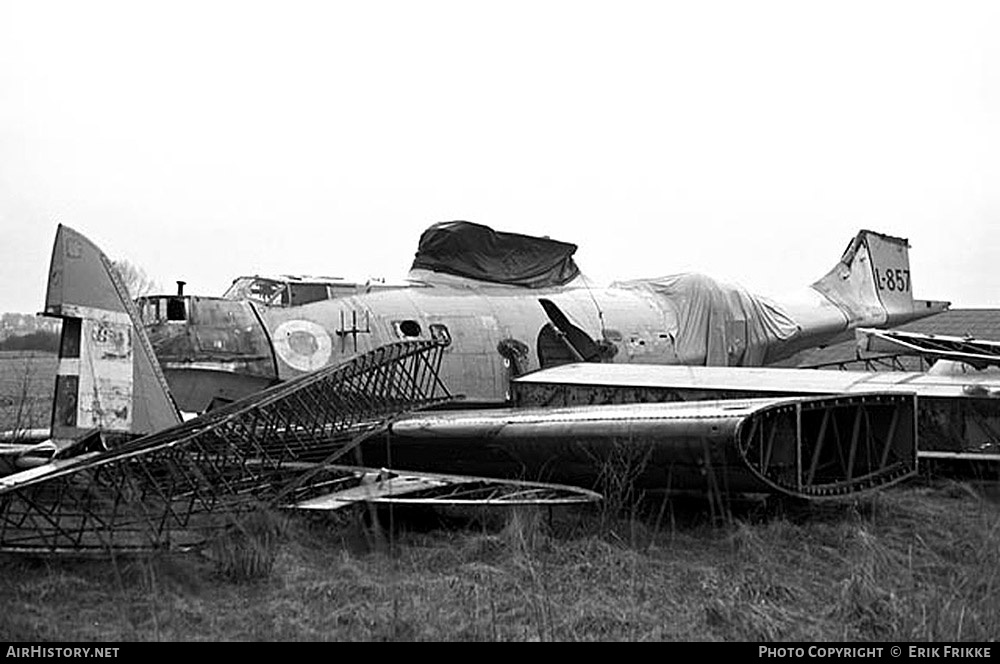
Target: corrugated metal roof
(977, 323)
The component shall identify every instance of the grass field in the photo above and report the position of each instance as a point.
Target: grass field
(920, 562)
(911, 564)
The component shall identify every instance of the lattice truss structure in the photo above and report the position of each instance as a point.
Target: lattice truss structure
(171, 489)
(885, 362)
(845, 444)
(894, 350)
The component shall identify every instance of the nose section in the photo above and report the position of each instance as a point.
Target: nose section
(212, 350)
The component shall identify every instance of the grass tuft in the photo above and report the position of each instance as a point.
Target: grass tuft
(248, 547)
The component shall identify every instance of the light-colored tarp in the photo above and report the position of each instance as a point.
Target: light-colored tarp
(717, 324)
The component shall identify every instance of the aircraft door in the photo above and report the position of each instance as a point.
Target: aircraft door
(560, 341)
(471, 363)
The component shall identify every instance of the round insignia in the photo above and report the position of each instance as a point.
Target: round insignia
(302, 344)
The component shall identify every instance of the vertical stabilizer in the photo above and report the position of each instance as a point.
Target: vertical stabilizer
(872, 283)
(108, 377)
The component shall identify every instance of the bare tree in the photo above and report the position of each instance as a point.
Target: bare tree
(135, 278)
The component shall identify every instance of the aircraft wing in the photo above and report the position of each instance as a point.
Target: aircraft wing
(581, 383)
(811, 448)
(384, 486)
(342, 486)
(957, 415)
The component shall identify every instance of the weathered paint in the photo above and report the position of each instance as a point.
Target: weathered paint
(95, 388)
(106, 386)
(106, 377)
(210, 349)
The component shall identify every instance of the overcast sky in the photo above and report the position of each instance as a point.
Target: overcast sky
(746, 140)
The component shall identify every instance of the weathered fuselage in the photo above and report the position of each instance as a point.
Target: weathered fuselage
(219, 350)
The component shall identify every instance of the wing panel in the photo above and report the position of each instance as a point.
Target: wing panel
(806, 447)
(406, 488)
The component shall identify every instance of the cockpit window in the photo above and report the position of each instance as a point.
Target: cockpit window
(159, 308)
(266, 291)
(176, 309)
(306, 293)
(149, 310)
(440, 332)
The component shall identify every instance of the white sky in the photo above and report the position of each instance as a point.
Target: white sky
(746, 140)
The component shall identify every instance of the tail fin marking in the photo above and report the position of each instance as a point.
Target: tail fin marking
(872, 283)
(107, 376)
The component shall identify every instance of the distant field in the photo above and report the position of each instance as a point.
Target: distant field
(27, 382)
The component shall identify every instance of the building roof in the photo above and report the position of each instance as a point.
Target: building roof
(977, 323)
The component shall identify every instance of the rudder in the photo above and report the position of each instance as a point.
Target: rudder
(872, 283)
(108, 377)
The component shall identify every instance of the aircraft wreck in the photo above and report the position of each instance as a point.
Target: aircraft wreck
(509, 304)
(129, 474)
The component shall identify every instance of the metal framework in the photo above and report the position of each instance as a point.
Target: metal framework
(844, 445)
(171, 489)
(884, 362)
(809, 447)
(977, 352)
(894, 350)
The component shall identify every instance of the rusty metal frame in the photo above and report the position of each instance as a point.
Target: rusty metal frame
(171, 489)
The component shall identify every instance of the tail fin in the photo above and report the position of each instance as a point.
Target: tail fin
(872, 283)
(108, 377)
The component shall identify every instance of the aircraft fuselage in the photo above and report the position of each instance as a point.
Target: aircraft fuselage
(220, 349)
(223, 349)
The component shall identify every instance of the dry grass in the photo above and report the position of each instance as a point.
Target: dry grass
(916, 563)
(248, 547)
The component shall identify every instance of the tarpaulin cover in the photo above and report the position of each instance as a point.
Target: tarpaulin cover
(478, 252)
(717, 324)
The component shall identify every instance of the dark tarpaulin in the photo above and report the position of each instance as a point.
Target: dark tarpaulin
(478, 252)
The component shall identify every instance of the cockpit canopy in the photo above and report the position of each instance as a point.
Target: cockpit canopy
(291, 291)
